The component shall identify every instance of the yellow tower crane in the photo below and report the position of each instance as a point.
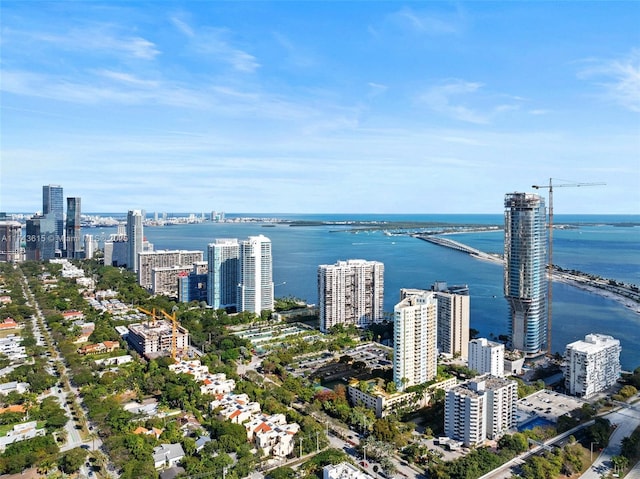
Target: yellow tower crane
(151, 314)
(550, 187)
(174, 333)
(174, 327)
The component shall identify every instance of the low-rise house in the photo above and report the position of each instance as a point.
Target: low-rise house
(236, 408)
(86, 283)
(86, 331)
(21, 432)
(272, 434)
(10, 323)
(68, 269)
(11, 347)
(15, 408)
(344, 470)
(73, 315)
(116, 361)
(217, 384)
(99, 348)
(14, 386)
(201, 442)
(189, 424)
(276, 440)
(167, 455)
(154, 431)
(149, 408)
(211, 383)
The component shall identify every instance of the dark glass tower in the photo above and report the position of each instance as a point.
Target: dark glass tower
(53, 204)
(72, 229)
(41, 237)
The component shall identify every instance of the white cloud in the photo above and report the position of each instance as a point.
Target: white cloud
(444, 98)
(426, 22)
(127, 90)
(182, 26)
(619, 78)
(102, 38)
(213, 43)
(466, 101)
(539, 111)
(127, 78)
(295, 53)
(376, 89)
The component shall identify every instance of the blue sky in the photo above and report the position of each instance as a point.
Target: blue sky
(325, 107)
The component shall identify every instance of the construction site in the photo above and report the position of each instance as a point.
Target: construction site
(158, 336)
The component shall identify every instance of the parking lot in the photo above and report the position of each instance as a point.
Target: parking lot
(546, 404)
(328, 368)
(374, 355)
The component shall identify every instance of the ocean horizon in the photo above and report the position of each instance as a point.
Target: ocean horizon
(452, 217)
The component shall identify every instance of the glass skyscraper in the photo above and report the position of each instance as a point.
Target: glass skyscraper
(525, 276)
(73, 232)
(53, 204)
(224, 273)
(41, 238)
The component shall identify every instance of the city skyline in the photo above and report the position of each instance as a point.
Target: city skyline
(315, 107)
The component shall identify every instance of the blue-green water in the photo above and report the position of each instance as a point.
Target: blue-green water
(595, 246)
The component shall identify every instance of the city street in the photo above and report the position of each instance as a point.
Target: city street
(626, 420)
(73, 427)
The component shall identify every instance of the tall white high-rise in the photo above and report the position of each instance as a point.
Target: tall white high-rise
(525, 277)
(224, 273)
(484, 408)
(135, 236)
(415, 351)
(350, 292)
(486, 357)
(453, 318)
(90, 246)
(255, 291)
(592, 365)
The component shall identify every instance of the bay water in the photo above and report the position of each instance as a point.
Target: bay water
(606, 245)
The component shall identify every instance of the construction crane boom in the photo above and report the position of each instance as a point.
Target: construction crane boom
(550, 187)
(151, 314)
(174, 327)
(174, 332)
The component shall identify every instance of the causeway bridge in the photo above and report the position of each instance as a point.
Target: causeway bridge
(449, 243)
(626, 294)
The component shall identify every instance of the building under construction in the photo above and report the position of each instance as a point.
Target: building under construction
(156, 338)
(525, 278)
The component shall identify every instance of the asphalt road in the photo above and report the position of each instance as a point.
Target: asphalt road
(73, 427)
(626, 420)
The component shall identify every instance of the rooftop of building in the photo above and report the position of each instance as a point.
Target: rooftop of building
(593, 343)
(477, 386)
(153, 328)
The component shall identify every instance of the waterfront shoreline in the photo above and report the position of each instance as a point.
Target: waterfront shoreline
(618, 298)
(577, 279)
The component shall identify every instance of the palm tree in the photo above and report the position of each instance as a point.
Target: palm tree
(619, 463)
(388, 466)
(47, 464)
